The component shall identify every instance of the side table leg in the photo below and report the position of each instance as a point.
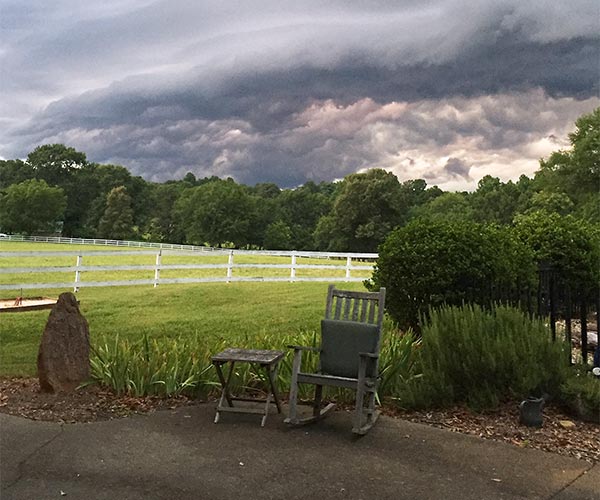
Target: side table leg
(225, 396)
(273, 383)
(267, 403)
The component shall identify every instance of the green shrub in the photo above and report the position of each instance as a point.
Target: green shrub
(479, 357)
(581, 393)
(428, 263)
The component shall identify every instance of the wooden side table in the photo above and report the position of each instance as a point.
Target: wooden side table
(269, 360)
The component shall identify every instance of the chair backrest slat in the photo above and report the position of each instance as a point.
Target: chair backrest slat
(372, 312)
(355, 308)
(347, 304)
(338, 308)
(363, 311)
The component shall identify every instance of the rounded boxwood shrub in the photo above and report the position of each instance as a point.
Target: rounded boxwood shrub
(428, 263)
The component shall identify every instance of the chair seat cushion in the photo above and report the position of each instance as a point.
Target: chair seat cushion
(341, 343)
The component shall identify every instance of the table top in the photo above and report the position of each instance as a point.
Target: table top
(262, 356)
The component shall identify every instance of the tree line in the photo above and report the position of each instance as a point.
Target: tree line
(57, 190)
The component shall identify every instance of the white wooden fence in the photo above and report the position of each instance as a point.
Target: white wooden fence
(102, 242)
(335, 262)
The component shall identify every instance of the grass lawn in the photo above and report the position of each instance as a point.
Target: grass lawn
(235, 312)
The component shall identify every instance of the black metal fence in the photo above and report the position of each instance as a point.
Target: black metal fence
(559, 300)
(570, 310)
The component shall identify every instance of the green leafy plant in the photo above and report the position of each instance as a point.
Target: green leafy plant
(581, 393)
(482, 357)
(398, 362)
(150, 368)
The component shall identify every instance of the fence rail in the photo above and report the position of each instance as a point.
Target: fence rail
(345, 267)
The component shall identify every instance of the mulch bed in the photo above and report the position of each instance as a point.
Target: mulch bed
(561, 433)
(22, 397)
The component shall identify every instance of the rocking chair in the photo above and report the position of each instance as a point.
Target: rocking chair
(348, 356)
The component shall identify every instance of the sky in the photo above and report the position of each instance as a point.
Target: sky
(291, 91)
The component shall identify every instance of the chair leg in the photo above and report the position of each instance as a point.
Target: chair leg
(318, 411)
(317, 403)
(371, 404)
(360, 396)
(372, 413)
(368, 415)
(293, 410)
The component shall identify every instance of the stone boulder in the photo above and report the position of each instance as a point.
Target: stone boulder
(64, 355)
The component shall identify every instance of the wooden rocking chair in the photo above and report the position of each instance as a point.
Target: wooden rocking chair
(348, 356)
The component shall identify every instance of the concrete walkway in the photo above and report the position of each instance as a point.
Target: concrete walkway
(181, 454)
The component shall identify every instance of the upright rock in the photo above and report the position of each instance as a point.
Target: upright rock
(64, 355)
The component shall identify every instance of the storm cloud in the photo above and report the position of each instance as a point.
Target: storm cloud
(294, 91)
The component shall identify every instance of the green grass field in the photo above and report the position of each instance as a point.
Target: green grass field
(234, 312)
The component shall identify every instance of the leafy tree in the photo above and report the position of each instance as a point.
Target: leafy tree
(117, 221)
(62, 166)
(448, 206)
(14, 172)
(415, 194)
(431, 262)
(278, 236)
(576, 172)
(216, 213)
(571, 246)
(31, 207)
(546, 201)
(367, 208)
(589, 208)
(54, 162)
(162, 225)
(98, 180)
(495, 201)
(300, 209)
(266, 190)
(190, 178)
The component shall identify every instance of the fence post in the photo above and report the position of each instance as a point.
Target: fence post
(77, 273)
(584, 336)
(552, 296)
(157, 268)
(293, 268)
(568, 326)
(230, 266)
(348, 264)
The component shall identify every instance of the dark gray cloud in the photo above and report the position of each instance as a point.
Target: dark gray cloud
(290, 91)
(457, 168)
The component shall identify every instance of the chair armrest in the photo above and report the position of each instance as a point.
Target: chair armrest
(371, 355)
(303, 348)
